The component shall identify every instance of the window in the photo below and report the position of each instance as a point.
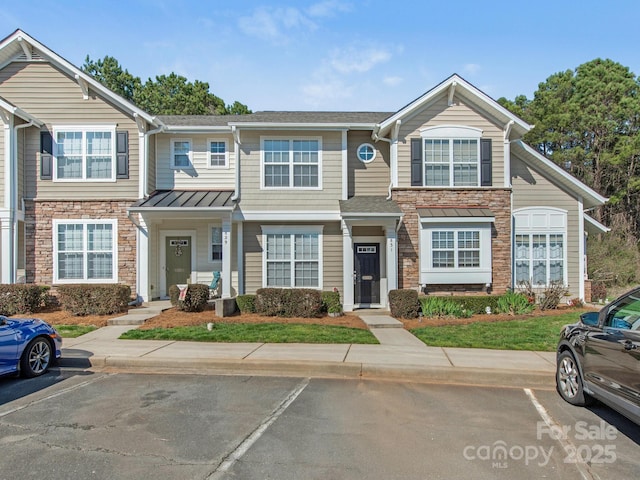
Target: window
(366, 153)
(451, 156)
(218, 154)
(539, 258)
(451, 249)
(540, 253)
(83, 153)
(292, 259)
(216, 244)
(85, 250)
(180, 153)
(291, 163)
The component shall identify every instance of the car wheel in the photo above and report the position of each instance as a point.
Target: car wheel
(569, 381)
(36, 358)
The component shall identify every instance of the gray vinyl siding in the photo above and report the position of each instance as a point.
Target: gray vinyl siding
(531, 189)
(291, 199)
(54, 98)
(368, 178)
(331, 255)
(459, 114)
(199, 175)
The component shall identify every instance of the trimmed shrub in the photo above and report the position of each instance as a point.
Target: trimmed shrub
(288, 302)
(22, 298)
(442, 307)
(98, 299)
(331, 302)
(403, 303)
(474, 304)
(195, 300)
(514, 303)
(246, 303)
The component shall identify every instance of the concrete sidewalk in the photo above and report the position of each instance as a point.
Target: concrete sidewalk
(400, 355)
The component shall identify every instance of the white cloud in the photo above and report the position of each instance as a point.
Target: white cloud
(328, 8)
(322, 93)
(274, 24)
(354, 59)
(471, 68)
(392, 81)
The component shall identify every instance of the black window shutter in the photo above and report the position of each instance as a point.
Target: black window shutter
(122, 154)
(416, 162)
(485, 162)
(46, 156)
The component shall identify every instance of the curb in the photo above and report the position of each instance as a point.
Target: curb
(287, 368)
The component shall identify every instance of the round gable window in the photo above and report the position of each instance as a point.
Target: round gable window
(366, 153)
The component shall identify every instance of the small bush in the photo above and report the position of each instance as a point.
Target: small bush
(331, 302)
(246, 303)
(476, 304)
(98, 299)
(442, 307)
(514, 303)
(22, 298)
(598, 291)
(551, 296)
(195, 299)
(288, 302)
(403, 303)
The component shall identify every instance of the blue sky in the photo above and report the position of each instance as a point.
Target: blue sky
(367, 55)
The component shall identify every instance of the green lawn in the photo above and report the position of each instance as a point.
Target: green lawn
(73, 331)
(537, 333)
(257, 332)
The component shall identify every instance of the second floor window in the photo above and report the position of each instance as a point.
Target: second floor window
(217, 153)
(291, 163)
(451, 162)
(180, 153)
(84, 154)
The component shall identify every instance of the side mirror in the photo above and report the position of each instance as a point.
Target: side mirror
(590, 318)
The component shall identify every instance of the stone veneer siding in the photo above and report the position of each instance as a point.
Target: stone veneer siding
(498, 200)
(39, 216)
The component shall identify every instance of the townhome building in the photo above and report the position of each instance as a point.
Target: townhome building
(441, 195)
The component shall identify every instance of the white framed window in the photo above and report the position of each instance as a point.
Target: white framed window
(85, 251)
(540, 246)
(455, 253)
(292, 257)
(291, 163)
(215, 244)
(451, 156)
(84, 153)
(366, 153)
(181, 152)
(218, 153)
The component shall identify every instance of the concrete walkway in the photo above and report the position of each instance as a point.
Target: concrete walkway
(400, 355)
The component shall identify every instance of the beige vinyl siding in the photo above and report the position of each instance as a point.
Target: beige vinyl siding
(54, 98)
(152, 169)
(458, 114)
(531, 189)
(203, 270)
(199, 175)
(291, 199)
(22, 133)
(2, 162)
(367, 178)
(331, 255)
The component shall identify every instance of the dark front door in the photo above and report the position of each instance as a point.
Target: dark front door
(178, 261)
(367, 273)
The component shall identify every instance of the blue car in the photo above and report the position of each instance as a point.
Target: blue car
(28, 346)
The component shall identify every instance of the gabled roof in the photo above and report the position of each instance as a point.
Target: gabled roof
(460, 87)
(590, 198)
(20, 45)
(11, 108)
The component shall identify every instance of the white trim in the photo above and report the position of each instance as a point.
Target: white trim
(457, 219)
(163, 255)
(593, 222)
(293, 230)
(172, 160)
(451, 131)
(288, 216)
(290, 139)
(345, 166)
(85, 222)
(84, 129)
(373, 149)
(226, 153)
(582, 254)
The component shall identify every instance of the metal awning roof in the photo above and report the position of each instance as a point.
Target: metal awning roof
(469, 214)
(195, 200)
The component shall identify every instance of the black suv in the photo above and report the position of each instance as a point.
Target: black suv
(599, 357)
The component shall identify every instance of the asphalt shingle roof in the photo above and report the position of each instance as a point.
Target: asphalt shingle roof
(368, 205)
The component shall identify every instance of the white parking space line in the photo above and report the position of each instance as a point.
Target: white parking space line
(246, 444)
(553, 426)
(54, 395)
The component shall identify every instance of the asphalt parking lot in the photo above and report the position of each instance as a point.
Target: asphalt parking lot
(76, 424)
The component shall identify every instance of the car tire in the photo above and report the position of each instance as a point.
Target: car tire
(36, 358)
(569, 381)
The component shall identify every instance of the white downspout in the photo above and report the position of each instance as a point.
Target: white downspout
(236, 139)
